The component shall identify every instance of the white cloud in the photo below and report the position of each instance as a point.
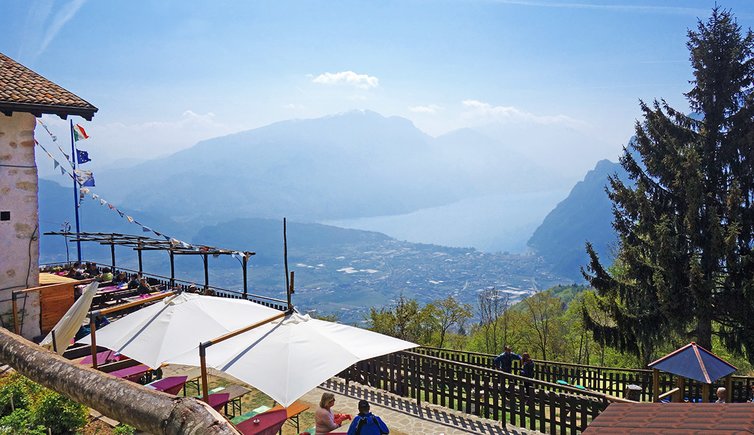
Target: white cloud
(65, 14)
(480, 110)
(350, 78)
(430, 108)
(293, 106)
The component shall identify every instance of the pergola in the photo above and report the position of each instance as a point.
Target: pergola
(173, 247)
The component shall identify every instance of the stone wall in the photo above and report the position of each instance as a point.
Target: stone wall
(19, 220)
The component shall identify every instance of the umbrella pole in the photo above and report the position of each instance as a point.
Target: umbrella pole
(93, 332)
(203, 347)
(203, 365)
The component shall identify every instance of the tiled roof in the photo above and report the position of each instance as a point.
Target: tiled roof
(23, 90)
(674, 418)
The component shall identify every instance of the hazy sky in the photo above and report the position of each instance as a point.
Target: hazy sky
(165, 74)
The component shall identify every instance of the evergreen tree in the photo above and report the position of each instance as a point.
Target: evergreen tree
(685, 221)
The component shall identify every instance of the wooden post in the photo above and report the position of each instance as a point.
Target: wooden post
(54, 342)
(206, 272)
(705, 393)
(138, 250)
(655, 385)
(203, 347)
(93, 332)
(245, 262)
(172, 269)
(15, 312)
(681, 382)
(112, 254)
(728, 389)
(203, 365)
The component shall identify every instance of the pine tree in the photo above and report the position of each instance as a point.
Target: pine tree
(684, 265)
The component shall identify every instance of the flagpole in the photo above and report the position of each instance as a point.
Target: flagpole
(75, 192)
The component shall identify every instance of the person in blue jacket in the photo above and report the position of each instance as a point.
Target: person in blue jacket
(367, 423)
(504, 361)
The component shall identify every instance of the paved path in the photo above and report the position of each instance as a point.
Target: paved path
(403, 416)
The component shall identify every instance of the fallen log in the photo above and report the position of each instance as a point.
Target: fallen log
(147, 410)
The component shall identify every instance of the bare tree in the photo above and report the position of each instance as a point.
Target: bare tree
(492, 308)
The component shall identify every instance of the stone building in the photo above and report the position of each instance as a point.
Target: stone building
(24, 96)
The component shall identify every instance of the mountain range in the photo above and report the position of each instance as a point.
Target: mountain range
(232, 192)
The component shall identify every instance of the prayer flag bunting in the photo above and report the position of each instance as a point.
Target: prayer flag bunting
(82, 156)
(129, 219)
(79, 133)
(102, 201)
(55, 163)
(89, 182)
(120, 213)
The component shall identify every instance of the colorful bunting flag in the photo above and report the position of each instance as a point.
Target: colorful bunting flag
(129, 219)
(54, 138)
(79, 133)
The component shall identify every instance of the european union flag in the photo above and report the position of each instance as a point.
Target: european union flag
(82, 156)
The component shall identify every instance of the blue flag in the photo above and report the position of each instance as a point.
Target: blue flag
(82, 156)
(89, 182)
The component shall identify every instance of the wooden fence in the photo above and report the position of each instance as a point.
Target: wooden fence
(607, 380)
(481, 391)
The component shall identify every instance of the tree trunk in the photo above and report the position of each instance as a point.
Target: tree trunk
(147, 410)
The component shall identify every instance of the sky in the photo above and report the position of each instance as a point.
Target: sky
(167, 74)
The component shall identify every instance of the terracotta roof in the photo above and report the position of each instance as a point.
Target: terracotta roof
(674, 418)
(23, 90)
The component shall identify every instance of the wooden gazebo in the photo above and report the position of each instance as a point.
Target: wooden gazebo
(691, 362)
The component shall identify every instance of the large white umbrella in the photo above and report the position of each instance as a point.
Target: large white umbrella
(177, 324)
(287, 358)
(69, 324)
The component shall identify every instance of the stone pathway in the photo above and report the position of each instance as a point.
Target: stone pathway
(402, 415)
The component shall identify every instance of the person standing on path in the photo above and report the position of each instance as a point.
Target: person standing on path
(504, 361)
(367, 423)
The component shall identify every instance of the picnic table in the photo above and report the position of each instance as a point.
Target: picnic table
(133, 373)
(293, 412)
(170, 385)
(266, 423)
(103, 357)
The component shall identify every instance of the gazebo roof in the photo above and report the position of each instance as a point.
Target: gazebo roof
(23, 90)
(694, 362)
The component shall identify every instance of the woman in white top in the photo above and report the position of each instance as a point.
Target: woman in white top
(323, 417)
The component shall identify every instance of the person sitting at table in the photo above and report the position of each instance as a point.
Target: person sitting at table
(91, 270)
(120, 279)
(367, 423)
(323, 418)
(144, 286)
(105, 276)
(134, 282)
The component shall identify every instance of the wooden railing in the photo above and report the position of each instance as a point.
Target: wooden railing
(481, 391)
(164, 282)
(607, 380)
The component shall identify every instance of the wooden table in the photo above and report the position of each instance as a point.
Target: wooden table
(171, 385)
(266, 423)
(293, 411)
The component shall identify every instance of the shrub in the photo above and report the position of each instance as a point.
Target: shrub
(59, 413)
(16, 392)
(124, 429)
(19, 422)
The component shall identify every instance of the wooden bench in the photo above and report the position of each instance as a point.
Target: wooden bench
(293, 412)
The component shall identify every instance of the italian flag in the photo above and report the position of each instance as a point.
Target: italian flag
(79, 133)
